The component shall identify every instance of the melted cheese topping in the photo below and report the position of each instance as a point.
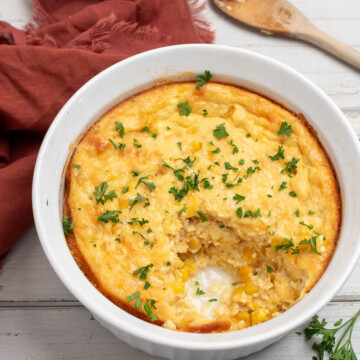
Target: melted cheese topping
(189, 198)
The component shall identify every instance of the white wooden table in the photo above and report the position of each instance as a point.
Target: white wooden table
(40, 319)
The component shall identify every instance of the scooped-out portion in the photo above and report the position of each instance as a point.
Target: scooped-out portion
(201, 207)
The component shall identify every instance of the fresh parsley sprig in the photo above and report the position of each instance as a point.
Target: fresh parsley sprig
(340, 350)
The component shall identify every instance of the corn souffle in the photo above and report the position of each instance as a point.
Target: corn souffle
(201, 207)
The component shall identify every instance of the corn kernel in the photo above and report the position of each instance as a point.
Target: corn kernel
(194, 243)
(196, 146)
(245, 273)
(178, 287)
(184, 274)
(243, 316)
(250, 287)
(248, 254)
(296, 294)
(258, 316)
(132, 186)
(192, 204)
(191, 266)
(237, 294)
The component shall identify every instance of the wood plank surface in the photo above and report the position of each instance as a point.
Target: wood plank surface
(40, 319)
(45, 333)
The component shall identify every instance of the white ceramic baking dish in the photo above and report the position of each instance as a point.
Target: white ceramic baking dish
(229, 65)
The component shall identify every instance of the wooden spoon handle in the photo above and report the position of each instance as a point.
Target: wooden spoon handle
(333, 46)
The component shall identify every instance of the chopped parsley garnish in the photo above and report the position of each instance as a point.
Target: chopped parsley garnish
(241, 162)
(100, 192)
(252, 214)
(255, 161)
(150, 303)
(143, 271)
(286, 245)
(297, 213)
(269, 196)
(238, 198)
(110, 215)
(118, 240)
(283, 186)
(310, 227)
(205, 112)
(235, 148)
(177, 172)
(343, 347)
(312, 243)
(279, 155)
(239, 212)
(199, 292)
(150, 185)
(248, 135)
(206, 183)
(201, 80)
(202, 216)
(183, 210)
(230, 167)
(146, 129)
(168, 263)
(135, 143)
(216, 151)
(222, 226)
(184, 108)
(290, 167)
(196, 283)
(146, 242)
(121, 146)
(179, 144)
(138, 221)
(147, 307)
(133, 296)
(292, 194)
(146, 285)
(68, 225)
(311, 212)
(76, 166)
(220, 131)
(234, 284)
(285, 129)
(191, 183)
(212, 300)
(120, 128)
(188, 161)
(135, 173)
(251, 170)
(269, 269)
(125, 189)
(138, 198)
(179, 194)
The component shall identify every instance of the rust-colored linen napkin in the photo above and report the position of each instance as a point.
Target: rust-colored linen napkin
(42, 66)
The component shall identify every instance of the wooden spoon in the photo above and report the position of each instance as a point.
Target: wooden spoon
(280, 17)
